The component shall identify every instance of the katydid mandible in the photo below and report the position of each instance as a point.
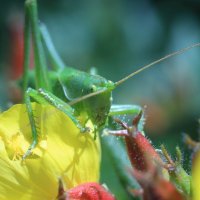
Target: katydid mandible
(71, 91)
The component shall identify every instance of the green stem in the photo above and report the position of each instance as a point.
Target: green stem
(39, 56)
(26, 61)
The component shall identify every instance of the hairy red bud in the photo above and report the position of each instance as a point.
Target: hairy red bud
(140, 150)
(89, 191)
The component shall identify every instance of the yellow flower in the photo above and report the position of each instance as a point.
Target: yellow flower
(196, 176)
(63, 152)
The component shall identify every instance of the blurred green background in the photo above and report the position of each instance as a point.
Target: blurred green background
(118, 37)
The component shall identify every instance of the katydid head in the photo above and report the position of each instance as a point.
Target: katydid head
(98, 106)
(78, 88)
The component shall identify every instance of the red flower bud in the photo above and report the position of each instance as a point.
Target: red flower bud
(87, 191)
(139, 148)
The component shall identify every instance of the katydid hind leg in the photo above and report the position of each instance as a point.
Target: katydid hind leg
(55, 59)
(44, 97)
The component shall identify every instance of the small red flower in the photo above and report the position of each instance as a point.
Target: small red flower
(86, 191)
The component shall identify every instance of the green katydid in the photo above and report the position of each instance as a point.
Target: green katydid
(69, 90)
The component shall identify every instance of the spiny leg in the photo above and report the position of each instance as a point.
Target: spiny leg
(33, 125)
(44, 97)
(127, 110)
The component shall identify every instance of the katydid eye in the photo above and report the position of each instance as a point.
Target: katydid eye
(93, 88)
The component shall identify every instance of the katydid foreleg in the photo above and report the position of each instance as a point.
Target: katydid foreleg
(32, 124)
(43, 97)
(124, 109)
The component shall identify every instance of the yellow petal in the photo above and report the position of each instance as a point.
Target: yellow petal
(63, 152)
(196, 176)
